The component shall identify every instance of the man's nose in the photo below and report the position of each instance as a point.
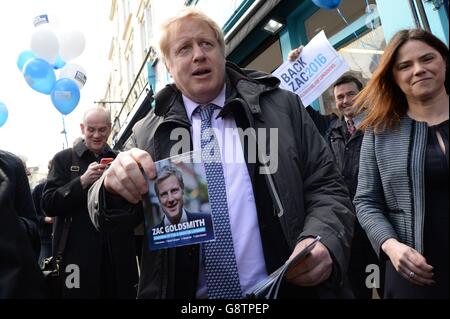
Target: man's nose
(198, 52)
(98, 134)
(348, 99)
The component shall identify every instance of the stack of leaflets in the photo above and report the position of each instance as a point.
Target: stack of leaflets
(269, 287)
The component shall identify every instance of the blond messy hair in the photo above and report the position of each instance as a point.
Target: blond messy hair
(184, 14)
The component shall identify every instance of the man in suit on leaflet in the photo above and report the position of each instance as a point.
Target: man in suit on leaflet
(169, 187)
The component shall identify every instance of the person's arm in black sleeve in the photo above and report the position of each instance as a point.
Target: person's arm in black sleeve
(109, 212)
(322, 122)
(63, 196)
(37, 195)
(24, 206)
(329, 211)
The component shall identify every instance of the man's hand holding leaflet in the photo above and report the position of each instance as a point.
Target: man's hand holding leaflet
(268, 288)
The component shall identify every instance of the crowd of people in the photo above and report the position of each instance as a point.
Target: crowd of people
(372, 183)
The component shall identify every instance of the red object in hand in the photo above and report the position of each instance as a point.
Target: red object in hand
(106, 160)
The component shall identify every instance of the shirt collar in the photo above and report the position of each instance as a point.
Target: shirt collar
(358, 119)
(191, 105)
(182, 219)
(347, 118)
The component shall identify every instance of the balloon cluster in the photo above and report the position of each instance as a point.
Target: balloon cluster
(48, 55)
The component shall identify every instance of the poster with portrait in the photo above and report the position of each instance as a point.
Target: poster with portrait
(177, 210)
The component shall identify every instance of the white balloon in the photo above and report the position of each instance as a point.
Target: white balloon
(72, 44)
(45, 44)
(74, 72)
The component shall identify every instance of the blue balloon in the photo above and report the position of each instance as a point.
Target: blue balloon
(59, 63)
(65, 95)
(3, 114)
(23, 58)
(327, 4)
(40, 76)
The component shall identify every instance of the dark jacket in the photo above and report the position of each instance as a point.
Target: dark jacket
(45, 229)
(323, 122)
(106, 261)
(21, 198)
(306, 190)
(20, 276)
(346, 150)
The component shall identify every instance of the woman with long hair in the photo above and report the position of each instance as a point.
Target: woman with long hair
(402, 195)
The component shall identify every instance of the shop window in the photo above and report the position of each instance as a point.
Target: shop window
(267, 59)
(331, 22)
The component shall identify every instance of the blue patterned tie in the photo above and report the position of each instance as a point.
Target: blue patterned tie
(222, 277)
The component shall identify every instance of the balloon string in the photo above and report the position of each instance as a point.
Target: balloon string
(369, 12)
(354, 32)
(356, 35)
(64, 131)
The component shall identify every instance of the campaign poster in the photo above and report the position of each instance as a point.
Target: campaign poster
(314, 71)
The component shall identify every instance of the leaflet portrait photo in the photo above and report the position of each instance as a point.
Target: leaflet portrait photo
(177, 210)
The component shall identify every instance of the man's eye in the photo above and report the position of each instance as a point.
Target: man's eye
(183, 50)
(206, 44)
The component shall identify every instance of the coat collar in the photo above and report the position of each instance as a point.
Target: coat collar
(339, 130)
(81, 148)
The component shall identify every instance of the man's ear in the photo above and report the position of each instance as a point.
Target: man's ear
(82, 128)
(167, 65)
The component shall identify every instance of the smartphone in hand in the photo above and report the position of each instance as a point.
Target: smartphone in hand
(106, 160)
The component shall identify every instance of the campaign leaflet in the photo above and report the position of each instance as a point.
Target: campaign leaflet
(177, 210)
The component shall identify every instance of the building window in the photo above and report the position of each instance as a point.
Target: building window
(130, 67)
(147, 30)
